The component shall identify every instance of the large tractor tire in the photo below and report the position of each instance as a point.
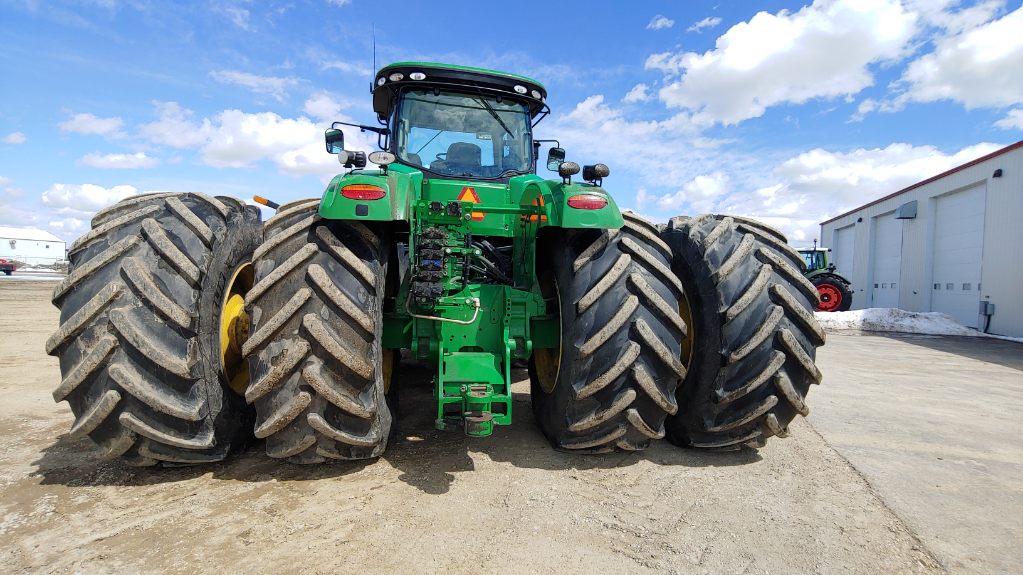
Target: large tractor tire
(612, 382)
(752, 334)
(140, 331)
(319, 374)
(834, 292)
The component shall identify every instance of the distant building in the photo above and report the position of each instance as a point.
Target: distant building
(31, 246)
(952, 243)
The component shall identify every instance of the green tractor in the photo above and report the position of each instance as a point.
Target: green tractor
(187, 327)
(835, 291)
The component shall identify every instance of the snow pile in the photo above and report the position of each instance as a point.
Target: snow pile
(895, 320)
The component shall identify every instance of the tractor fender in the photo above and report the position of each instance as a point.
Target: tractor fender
(398, 186)
(552, 196)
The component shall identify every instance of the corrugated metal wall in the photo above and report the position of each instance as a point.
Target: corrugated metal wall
(31, 251)
(1002, 266)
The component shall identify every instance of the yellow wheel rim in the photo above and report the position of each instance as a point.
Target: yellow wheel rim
(548, 359)
(234, 328)
(687, 342)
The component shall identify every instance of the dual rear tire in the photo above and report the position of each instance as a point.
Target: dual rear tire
(753, 336)
(611, 384)
(139, 335)
(320, 378)
(706, 332)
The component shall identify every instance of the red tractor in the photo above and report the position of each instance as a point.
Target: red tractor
(835, 291)
(7, 266)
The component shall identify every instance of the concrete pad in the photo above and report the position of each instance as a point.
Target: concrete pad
(933, 423)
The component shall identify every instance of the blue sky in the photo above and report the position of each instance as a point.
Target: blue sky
(788, 111)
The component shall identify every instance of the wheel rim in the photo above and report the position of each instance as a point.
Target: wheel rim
(831, 297)
(234, 328)
(548, 359)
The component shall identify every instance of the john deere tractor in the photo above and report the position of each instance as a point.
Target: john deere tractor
(835, 292)
(187, 327)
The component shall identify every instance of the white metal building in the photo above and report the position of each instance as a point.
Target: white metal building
(30, 246)
(952, 243)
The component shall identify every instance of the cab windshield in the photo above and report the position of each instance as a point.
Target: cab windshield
(814, 260)
(464, 135)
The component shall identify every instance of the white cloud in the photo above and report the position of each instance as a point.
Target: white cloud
(92, 125)
(643, 197)
(240, 138)
(238, 16)
(667, 62)
(119, 161)
(638, 93)
(948, 16)
(68, 208)
(668, 167)
(175, 127)
(871, 105)
(15, 138)
(69, 227)
(822, 51)
(1012, 121)
(352, 68)
(977, 68)
(83, 200)
(701, 194)
(648, 159)
(323, 106)
(818, 184)
(274, 86)
(339, 2)
(708, 22)
(660, 22)
(236, 139)
(664, 152)
(4, 181)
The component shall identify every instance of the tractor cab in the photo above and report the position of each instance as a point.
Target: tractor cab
(458, 122)
(816, 259)
(462, 135)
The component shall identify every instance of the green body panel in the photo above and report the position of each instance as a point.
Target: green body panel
(557, 212)
(405, 185)
(400, 182)
(451, 309)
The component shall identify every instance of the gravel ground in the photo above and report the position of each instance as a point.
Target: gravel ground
(435, 502)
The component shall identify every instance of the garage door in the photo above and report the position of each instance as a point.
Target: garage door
(887, 261)
(958, 248)
(842, 253)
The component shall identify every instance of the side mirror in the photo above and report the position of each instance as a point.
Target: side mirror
(555, 157)
(335, 140)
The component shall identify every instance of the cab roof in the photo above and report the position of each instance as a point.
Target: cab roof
(451, 76)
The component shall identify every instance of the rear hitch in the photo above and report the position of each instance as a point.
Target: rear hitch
(476, 414)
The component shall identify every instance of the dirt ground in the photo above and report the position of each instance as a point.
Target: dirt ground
(436, 502)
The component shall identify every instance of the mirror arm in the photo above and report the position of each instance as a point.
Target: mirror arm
(380, 131)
